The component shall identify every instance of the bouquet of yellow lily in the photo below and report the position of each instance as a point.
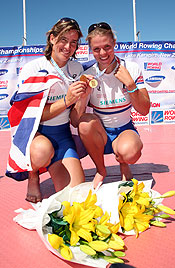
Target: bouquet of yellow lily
(138, 209)
(82, 225)
(85, 226)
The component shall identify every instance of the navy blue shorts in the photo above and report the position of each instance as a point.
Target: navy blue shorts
(112, 134)
(62, 141)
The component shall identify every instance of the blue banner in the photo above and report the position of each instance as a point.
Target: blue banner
(156, 60)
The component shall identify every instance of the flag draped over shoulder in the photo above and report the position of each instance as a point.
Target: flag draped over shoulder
(24, 117)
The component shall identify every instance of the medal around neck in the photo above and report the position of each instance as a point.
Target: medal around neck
(62, 74)
(92, 83)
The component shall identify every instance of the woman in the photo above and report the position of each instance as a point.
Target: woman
(118, 86)
(52, 89)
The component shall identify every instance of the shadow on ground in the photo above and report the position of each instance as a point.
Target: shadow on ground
(140, 172)
(121, 265)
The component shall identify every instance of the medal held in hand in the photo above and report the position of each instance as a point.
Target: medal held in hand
(92, 83)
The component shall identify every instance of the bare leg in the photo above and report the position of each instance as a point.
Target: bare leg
(41, 152)
(33, 188)
(66, 171)
(94, 139)
(74, 168)
(127, 148)
(126, 174)
(59, 175)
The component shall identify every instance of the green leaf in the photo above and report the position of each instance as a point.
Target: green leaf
(158, 223)
(129, 199)
(164, 216)
(58, 221)
(127, 183)
(113, 259)
(107, 238)
(68, 232)
(119, 253)
(123, 230)
(98, 255)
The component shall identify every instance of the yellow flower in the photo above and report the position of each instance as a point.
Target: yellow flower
(113, 259)
(55, 240)
(103, 229)
(81, 217)
(122, 201)
(134, 218)
(98, 245)
(90, 203)
(90, 200)
(165, 195)
(116, 242)
(166, 209)
(138, 195)
(66, 252)
(57, 243)
(158, 223)
(141, 222)
(78, 218)
(142, 199)
(105, 218)
(67, 206)
(87, 250)
(113, 227)
(98, 212)
(129, 209)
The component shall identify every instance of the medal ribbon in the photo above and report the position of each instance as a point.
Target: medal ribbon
(100, 73)
(61, 72)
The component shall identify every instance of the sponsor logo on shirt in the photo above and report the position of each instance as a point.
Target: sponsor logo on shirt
(116, 101)
(55, 98)
(140, 80)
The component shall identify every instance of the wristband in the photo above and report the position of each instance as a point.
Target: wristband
(65, 102)
(131, 91)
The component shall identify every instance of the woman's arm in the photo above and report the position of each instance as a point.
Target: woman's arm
(80, 106)
(75, 91)
(139, 98)
(77, 111)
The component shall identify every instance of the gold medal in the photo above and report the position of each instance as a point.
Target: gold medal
(84, 78)
(93, 83)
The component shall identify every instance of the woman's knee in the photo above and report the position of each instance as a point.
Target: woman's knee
(88, 122)
(41, 150)
(129, 152)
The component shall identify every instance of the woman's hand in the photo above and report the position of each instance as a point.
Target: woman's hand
(140, 99)
(124, 76)
(76, 91)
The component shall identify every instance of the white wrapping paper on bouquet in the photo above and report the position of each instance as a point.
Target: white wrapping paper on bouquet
(107, 199)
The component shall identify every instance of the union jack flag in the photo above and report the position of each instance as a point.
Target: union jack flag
(24, 117)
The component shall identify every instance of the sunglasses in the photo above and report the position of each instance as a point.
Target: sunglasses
(102, 25)
(71, 21)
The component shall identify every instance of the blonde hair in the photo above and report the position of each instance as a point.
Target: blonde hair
(100, 31)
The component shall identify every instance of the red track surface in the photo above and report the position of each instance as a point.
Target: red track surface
(21, 248)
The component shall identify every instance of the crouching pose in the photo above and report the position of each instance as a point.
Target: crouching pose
(117, 85)
(40, 114)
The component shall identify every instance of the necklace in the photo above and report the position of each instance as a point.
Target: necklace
(100, 73)
(94, 82)
(70, 78)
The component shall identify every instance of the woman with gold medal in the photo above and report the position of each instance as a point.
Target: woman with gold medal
(117, 86)
(52, 148)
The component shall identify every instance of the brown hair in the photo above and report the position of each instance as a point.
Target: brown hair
(58, 30)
